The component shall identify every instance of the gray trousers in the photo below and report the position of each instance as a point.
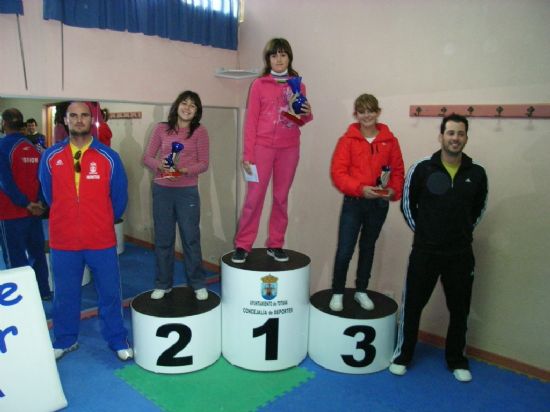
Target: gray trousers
(173, 205)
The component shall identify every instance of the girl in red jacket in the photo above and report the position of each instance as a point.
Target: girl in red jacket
(272, 146)
(367, 167)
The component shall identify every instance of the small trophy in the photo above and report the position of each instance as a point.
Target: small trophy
(296, 102)
(172, 160)
(382, 181)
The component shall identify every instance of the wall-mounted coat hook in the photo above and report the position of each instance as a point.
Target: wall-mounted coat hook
(518, 111)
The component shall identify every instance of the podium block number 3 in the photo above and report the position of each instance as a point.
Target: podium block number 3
(271, 331)
(364, 344)
(168, 357)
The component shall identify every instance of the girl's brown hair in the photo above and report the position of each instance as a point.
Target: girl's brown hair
(272, 47)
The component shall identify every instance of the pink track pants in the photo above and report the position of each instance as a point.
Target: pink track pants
(281, 164)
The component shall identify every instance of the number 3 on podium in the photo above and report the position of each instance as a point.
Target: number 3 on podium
(364, 344)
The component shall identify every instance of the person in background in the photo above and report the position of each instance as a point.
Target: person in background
(60, 131)
(272, 146)
(85, 184)
(104, 132)
(100, 128)
(175, 190)
(444, 198)
(367, 167)
(21, 232)
(37, 139)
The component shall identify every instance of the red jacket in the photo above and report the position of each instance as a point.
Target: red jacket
(356, 163)
(19, 183)
(84, 220)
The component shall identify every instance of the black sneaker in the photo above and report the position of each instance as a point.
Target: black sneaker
(239, 255)
(278, 254)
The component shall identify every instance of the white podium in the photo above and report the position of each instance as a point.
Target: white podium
(29, 380)
(265, 311)
(354, 340)
(178, 333)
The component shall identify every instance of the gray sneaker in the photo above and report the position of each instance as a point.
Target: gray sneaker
(125, 354)
(278, 254)
(60, 352)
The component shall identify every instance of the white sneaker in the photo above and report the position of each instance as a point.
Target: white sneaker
(363, 299)
(159, 293)
(397, 369)
(462, 375)
(201, 294)
(125, 354)
(60, 352)
(337, 302)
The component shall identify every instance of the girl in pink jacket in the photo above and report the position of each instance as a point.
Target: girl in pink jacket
(272, 146)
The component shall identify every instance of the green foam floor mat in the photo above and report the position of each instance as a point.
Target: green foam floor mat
(220, 387)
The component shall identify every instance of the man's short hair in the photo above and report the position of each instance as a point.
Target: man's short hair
(69, 102)
(453, 118)
(31, 120)
(13, 119)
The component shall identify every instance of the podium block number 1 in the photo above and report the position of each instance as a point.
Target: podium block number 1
(271, 331)
(168, 357)
(364, 344)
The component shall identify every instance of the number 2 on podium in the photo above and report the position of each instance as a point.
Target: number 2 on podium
(271, 331)
(168, 357)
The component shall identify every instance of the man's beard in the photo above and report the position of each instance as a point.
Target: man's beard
(77, 133)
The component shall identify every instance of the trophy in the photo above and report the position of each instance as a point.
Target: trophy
(382, 181)
(296, 102)
(172, 159)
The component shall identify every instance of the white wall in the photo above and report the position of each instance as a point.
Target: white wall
(428, 52)
(107, 65)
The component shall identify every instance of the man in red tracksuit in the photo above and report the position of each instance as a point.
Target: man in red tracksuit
(86, 186)
(21, 233)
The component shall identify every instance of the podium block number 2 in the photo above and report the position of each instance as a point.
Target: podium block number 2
(168, 357)
(271, 331)
(364, 344)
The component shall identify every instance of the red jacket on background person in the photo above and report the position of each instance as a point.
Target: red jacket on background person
(357, 163)
(104, 133)
(19, 183)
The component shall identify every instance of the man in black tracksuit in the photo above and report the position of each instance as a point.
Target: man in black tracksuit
(443, 199)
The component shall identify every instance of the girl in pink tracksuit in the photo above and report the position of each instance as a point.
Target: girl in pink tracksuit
(272, 144)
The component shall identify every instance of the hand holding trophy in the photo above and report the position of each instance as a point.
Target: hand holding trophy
(296, 102)
(171, 161)
(382, 181)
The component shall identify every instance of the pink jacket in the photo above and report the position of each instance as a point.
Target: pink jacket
(264, 124)
(195, 154)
